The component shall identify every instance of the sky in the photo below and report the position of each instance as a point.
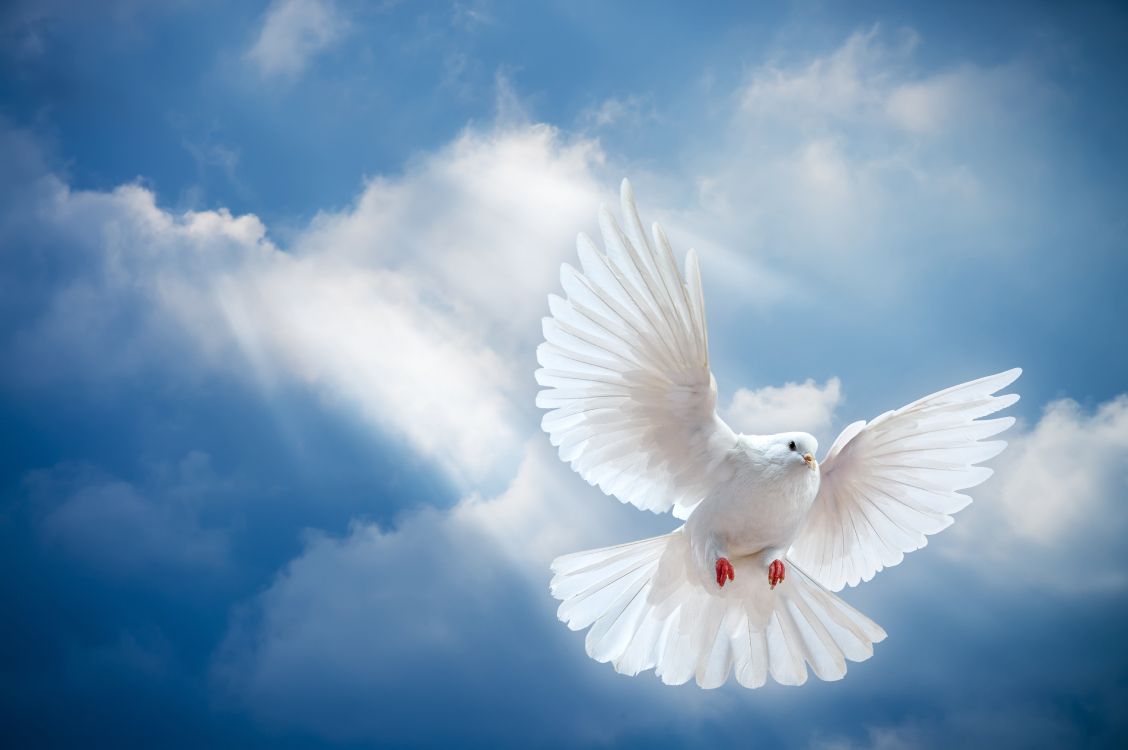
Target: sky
(271, 282)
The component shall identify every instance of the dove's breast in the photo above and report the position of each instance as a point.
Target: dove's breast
(761, 506)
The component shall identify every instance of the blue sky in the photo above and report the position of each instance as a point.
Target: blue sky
(272, 281)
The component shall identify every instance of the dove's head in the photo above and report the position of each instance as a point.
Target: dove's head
(796, 448)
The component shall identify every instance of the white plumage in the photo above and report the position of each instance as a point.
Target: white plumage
(625, 366)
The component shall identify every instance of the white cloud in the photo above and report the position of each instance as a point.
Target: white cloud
(966, 98)
(547, 510)
(630, 111)
(1059, 476)
(418, 306)
(448, 607)
(292, 33)
(483, 223)
(872, 82)
(369, 339)
(1054, 512)
(471, 15)
(846, 84)
(834, 164)
(806, 407)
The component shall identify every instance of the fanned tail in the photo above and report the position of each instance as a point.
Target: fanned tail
(648, 610)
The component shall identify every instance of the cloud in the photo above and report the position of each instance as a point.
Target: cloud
(134, 291)
(805, 407)
(878, 738)
(421, 613)
(847, 84)
(1053, 514)
(832, 166)
(1058, 475)
(449, 608)
(294, 32)
(630, 111)
(125, 530)
(418, 306)
(484, 223)
(471, 15)
(872, 80)
(418, 302)
(1021, 725)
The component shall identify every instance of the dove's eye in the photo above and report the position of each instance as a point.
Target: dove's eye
(791, 445)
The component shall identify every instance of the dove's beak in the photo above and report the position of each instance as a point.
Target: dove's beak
(810, 460)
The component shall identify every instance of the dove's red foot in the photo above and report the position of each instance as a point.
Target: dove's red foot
(724, 571)
(776, 573)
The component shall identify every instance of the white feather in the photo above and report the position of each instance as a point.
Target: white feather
(646, 613)
(887, 484)
(626, 354)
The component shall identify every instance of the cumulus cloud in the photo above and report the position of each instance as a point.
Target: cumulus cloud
(806, 407)
(1059, 474)
(359, 617)
(418, 301)
(833, 165)
(1053, 514)
(484, 222)
(414, 306)
(293, 32)
(425, 613)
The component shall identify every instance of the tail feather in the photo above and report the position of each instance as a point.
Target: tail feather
(715, 653)
(750, 655)
(647, 610)
(594, 586)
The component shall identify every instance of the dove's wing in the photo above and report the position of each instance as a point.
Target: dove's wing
(625, 366)
(887, 484)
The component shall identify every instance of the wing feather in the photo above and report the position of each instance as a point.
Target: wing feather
(625, 370)
(888, 484)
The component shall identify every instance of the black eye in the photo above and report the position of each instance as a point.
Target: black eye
(791, 445)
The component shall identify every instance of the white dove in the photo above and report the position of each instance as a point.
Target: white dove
(744, 586)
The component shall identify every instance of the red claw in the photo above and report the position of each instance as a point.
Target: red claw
(724, 571)
(776, 573)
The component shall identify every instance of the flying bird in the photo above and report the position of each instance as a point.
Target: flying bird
(745, 586)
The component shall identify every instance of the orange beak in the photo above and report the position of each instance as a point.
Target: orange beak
(810, 460)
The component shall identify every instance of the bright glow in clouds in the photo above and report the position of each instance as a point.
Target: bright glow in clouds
(402, 306)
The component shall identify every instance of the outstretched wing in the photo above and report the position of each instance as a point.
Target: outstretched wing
(625, 365)
(887, 484)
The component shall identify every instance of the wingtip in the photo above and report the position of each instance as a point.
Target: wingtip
(627, 201)
(1008, 376)
(584, 243)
